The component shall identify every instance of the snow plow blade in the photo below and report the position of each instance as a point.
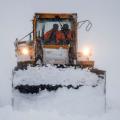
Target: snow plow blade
(100, 73)
(37, 79)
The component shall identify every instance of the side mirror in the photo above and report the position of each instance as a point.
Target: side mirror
(30, 38)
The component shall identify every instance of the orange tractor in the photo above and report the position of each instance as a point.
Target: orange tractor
(49, 50)
(53, 41)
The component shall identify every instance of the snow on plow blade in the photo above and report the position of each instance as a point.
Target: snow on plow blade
(36, 79)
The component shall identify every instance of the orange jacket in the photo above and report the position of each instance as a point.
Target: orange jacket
(59, 35)
(68, 35)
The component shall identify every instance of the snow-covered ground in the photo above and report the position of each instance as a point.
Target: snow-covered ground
(86, 103)
(64, 104)
(7, 113)
(83, 104)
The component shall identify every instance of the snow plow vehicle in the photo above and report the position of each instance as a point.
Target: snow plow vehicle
(50, 60)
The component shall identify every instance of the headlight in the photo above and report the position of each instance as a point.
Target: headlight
(86, 51)
(25, 51)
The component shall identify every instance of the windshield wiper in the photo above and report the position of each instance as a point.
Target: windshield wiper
(59, 20)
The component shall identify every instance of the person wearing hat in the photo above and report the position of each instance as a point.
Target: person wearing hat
(67, 33)
(54, 35)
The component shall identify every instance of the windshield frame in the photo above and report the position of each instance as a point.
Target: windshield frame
(45, 25)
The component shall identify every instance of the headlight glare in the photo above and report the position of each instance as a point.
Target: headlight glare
(25, 51)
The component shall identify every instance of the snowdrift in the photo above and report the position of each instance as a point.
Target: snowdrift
(89, 99)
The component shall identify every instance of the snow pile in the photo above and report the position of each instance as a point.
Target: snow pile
(66, 104)
(55, 76)
(86, 103)
(86, 100)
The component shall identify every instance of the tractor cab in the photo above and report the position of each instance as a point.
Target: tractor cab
(52, 41)
(56, 36)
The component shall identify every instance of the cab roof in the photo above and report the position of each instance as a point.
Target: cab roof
(56, 15)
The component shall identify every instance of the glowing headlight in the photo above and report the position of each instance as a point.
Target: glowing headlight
(86, 52)
(25, 51)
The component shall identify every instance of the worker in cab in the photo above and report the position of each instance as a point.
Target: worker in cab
(53, 36)
(68, 36)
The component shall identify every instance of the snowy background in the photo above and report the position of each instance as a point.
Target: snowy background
(15, 21)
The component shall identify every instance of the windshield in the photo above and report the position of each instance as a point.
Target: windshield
(54, 31)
